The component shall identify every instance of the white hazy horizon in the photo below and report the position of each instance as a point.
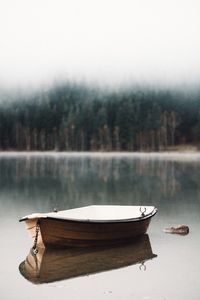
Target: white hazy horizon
(107, 41)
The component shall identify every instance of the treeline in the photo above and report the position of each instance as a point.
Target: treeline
(73, 117)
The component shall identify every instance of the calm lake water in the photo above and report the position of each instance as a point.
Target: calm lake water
(41, 182)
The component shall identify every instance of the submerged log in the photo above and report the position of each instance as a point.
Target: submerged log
(180, 229)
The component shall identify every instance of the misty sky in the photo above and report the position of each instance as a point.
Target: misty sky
(106, 40)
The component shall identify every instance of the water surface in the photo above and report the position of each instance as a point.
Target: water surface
(41, 182)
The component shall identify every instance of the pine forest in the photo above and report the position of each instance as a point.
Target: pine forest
(72, 117)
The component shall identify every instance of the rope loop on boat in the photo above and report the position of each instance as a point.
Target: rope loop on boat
(37, 229)
(143, 210)
(142, 266)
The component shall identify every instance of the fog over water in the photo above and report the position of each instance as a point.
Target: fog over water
(149, 41)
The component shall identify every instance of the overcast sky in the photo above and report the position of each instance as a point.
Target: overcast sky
(105, 40)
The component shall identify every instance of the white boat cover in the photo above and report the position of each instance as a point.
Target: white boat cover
(99, 213)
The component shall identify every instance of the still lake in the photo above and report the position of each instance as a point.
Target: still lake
(40, 182)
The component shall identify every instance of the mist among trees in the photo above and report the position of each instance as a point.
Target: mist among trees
(71, 117)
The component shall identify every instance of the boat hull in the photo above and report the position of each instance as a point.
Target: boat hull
(62, 233)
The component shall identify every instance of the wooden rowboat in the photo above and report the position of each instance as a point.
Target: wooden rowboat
(89, 225)
(51, 264)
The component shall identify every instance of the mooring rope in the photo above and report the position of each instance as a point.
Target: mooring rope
(37, 229)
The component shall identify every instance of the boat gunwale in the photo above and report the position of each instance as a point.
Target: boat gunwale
(87, 221)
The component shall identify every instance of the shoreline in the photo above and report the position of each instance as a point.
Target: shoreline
(166, 155)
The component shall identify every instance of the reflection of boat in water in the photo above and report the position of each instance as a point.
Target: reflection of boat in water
(50, 265)
(89, 225)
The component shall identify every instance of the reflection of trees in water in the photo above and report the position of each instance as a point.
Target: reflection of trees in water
(63, 181)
